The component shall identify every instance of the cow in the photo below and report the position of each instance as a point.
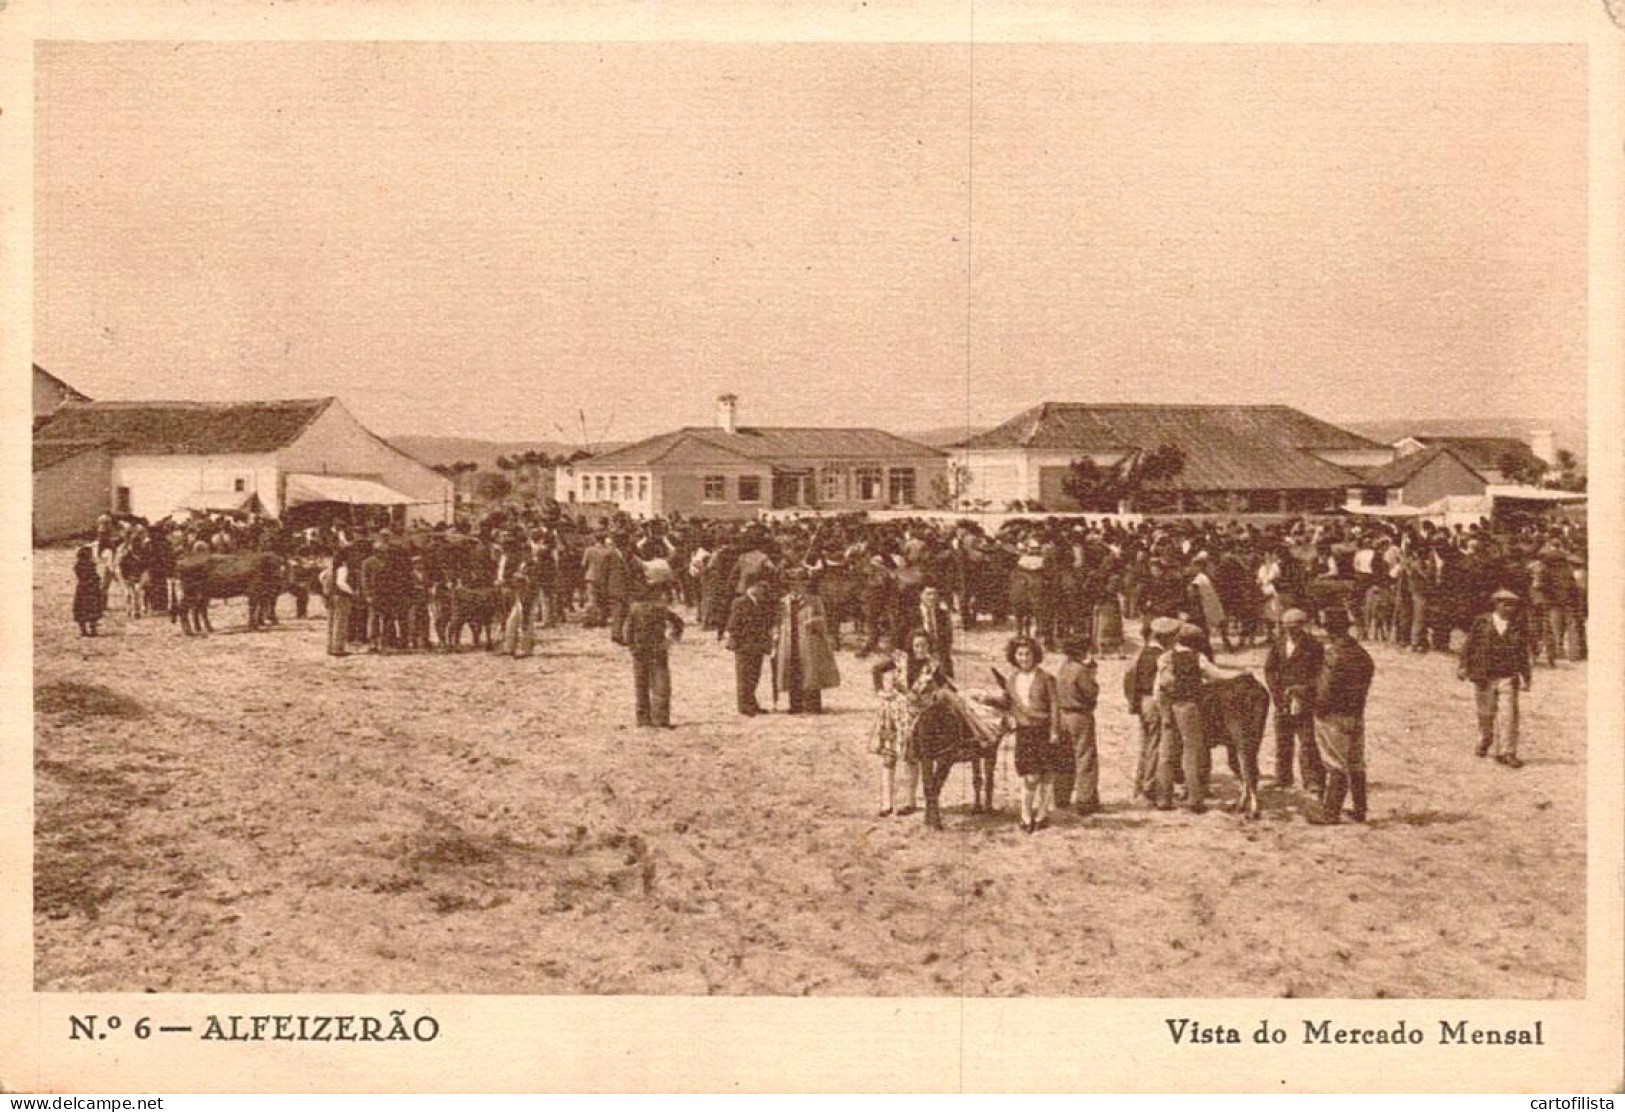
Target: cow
(1233, 715)
(478, 608)
(132, 571)
(257, 576)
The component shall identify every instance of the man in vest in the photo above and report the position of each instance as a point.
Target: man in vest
(1496, 659)
(1339, 697)
(1178, 688)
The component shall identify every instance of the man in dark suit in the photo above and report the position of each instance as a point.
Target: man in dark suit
(1290, 670)
(750, 639)
(931, 615)
(1496, 659)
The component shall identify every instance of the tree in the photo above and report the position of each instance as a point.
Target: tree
(491, 487)
(1094, 488)
(1100, 489)
(1520, 467)
(1569, 476)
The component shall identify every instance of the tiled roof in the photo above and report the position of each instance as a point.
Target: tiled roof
(1226, 447)
(1480, 452)
(49, 453)
(185, 428)
(697, 446)
(1400, 471)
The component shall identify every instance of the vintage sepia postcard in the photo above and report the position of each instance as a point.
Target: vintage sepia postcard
(817, 546)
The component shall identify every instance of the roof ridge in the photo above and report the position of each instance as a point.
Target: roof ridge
(162, 403)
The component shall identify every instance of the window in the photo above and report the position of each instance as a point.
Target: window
(901, 489)
(239, 485)
(831, 485)
(598, 488)
(716, 488)
(868, 480)
(121, 500)
(643, 488)
(614, 488)
(626, 485)
(750, 488)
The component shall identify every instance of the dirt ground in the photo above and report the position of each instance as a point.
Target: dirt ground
(243, 813)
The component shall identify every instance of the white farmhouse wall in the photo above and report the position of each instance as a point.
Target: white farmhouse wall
(158, 484)
(1003, 475)
(337, 444)
(69, 496)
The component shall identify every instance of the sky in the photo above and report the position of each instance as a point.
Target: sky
(515, 240)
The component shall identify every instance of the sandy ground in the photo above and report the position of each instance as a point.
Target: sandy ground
(244, 813)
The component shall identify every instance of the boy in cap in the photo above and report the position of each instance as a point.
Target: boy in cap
(1290, 669)
(1496, 659)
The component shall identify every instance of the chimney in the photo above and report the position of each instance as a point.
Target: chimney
(1544, 445)
(728, 412)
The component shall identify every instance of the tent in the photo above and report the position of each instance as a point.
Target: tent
(304, 489)
(238, 503)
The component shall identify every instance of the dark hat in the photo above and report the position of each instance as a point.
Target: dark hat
(1335, 620)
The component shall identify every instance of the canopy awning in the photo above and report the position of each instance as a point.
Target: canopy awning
(1384, 511)
(352, 492)
(242, 502)
(1533, 494)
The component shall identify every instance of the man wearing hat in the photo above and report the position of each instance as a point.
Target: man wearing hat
(1496, 659)
(650, 626)
(750, 639)
(1551, 596)
(1290, 669)
(803, 658)
(1339, 705)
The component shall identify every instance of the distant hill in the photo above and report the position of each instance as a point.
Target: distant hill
(435, 450)
(1568, 434)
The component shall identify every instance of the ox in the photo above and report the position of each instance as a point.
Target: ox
(1233, 715)
(478, 608)
(257, 576)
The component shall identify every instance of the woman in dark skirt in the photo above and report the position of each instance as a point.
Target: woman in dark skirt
(1029, 699)
(87, 592)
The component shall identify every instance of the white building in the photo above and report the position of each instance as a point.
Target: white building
(1260, 458)
(164, 456)
(731, 470)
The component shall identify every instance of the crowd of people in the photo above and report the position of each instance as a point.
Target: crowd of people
(779, 593)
